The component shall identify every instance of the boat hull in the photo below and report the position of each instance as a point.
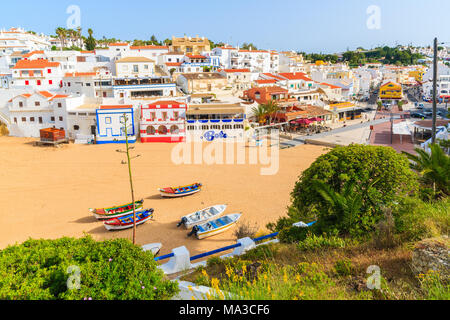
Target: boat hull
(190, 224)
(107, 217)
(114, 212)
(175, 195)
(234, 218)
(204, 235)
(112, 227)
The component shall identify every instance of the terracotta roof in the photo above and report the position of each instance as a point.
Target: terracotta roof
(35, 64)
(236, 70)
(273, 76)
(149, 48)
(173, 64)
(117, 106)
(46, 94)
(253, 51)
(330, 85)
(59, 96)
(195, 56)
(83, 51)
(118, 44)
(266, 81)
(295, 76)
(27, 55)
(227, 48)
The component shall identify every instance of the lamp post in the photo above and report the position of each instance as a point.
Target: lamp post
(435, 73)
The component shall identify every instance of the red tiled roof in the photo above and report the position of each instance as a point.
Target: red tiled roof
(266, 81)
(295, 76)
(227, 48)
(236, 70)
(45, 94)
(83, 51)
(117, 106)
(173, 64)
(35, 64)
(196, 56)
(330, 85)
(27, 55)
(273, 76)
(149, 47)
(118, 44)
(59, 96)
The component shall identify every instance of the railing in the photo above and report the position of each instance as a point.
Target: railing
(209, 253)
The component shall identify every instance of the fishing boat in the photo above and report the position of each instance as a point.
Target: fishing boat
(181, 191)
(125, 222)
(202, 216)
(116, 211)
(215, 226)
(153, 248)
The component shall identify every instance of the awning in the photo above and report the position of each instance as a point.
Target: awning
(301, 121)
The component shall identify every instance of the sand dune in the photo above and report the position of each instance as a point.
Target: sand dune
(46, 192)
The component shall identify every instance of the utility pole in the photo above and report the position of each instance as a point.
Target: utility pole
(435, 73)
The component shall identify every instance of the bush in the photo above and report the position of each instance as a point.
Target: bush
(108, 270)
(3, 129)
(245, 230)
(313, 242)
(344, 267)
(416, 220)
(378, 174)
(434, 286)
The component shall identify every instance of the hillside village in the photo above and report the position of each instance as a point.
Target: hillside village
(187, 87)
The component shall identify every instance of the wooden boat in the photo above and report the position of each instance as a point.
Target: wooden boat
(181, 191)
(117, 211)
(153, 248)
(215, 226)
(202, 216)
(125, 222)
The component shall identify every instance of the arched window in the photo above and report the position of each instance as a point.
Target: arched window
(150, 130)
(162, 130)
(174, 129)
(257, 95)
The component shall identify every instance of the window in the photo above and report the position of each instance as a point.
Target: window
(20, 104)
(49, 70)
(175, 115)
(50, 81)
(150, 130)
(108, 120)
(146, 66)
(40, 120)
(164, 116)
(59, 105)
(24, 119)
(27, 83)
(31, 119)
(52, 119)
(162, 130)
(68, 84)
(135, 68)
(174, 129)
(37, 103)
(76, 127)
(15, 120)
(38, 82)
(60, 118)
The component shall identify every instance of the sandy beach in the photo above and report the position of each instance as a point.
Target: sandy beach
(46, 192)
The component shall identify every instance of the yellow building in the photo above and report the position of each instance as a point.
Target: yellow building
(190, 45)
(417, 74)
(391, 90)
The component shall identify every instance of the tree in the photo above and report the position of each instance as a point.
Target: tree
(260, 113)
(345, 207)
(433, 169)
(128, 148)
(61, 34)
(380, 175)
(271, 108)
(81, 269)
(248, 46)
(90, 41)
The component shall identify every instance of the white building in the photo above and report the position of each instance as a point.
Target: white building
(38, 74)
(135, 67)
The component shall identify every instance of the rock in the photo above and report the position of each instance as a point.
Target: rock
(432, 254)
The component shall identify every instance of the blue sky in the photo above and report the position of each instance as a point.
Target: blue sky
(303, 25)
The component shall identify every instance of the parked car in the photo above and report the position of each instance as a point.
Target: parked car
(418, 115)
(420, 106)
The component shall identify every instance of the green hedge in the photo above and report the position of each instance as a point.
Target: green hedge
(108, 270)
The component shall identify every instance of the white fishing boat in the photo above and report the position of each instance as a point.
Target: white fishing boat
(152, 247)
(202, 216)
(214, 227)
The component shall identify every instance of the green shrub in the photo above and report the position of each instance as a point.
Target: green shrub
(434, 286)
(266, 251)
(108, 270)
(313, 242)
(416, 220)
(344, 267)
(378, 174)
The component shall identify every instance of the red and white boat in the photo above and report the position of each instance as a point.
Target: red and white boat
(181, 191)
(126, 222)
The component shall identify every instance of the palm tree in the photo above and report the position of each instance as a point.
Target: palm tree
(433, 168)
(260, 113)
(61, 33)
(346, 205)
(271, 108)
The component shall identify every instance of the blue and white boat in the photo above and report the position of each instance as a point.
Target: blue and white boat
(214, 227)
(202, 216)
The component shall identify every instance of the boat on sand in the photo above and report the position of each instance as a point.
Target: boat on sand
(202, 216)
(125, 222)
(214, 227)
(116, 211)
(180, 191)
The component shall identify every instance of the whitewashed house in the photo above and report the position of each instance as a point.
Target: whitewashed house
(39, 74)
